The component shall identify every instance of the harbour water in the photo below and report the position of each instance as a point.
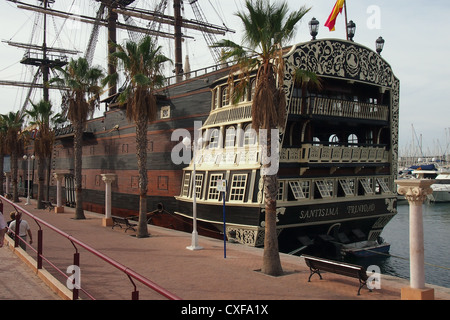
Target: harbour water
(436, 222)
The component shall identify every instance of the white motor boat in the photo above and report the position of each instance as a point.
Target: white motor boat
(441, 188)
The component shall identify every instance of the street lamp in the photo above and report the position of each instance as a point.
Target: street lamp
(25, 157)
(194, 240)
(313, 28)
(379, 44)
(351, 28)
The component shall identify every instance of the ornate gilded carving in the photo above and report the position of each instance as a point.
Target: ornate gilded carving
(350, 61)
(342, 59)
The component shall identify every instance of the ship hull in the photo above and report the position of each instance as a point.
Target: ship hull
(297, 225)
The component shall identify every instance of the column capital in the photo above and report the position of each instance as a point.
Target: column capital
(58, 175)
(415, 190)
(108, 177)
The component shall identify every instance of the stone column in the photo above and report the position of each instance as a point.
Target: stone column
(416, 191)
(108, 178)
(59, 181)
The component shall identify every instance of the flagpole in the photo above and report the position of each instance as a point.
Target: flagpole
(345, 11)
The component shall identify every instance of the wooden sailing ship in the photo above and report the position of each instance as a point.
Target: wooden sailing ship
(337, 154)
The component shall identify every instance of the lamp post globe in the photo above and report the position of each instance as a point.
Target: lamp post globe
(313, 28)
(379, 44)
(351, 29)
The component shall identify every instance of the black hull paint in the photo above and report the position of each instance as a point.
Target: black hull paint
(340, 221)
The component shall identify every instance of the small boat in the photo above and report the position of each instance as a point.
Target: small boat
(441, 188)
(366, 248)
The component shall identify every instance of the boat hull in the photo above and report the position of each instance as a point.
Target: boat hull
(367, 251)
(297, 225)
(441, 196)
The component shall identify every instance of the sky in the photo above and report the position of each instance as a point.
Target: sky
(414, 30)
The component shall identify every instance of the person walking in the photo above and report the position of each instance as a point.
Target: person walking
(23, 230)
(12, 217)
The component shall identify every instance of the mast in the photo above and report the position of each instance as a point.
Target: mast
(112, 41)
(45, 69)
(116, 7)
(44, 62)
(178, 35)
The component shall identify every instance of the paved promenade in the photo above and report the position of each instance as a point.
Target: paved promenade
(163, 258)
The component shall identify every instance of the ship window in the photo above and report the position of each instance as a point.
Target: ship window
(280, 194)
(348, 185)
(213, 193)
(187, 179)
(369, 137)
(214, 99)
(297, 189)
(334, 139)
(325, 188)
(249, 136)
(252, 90)
(352, 139)
(316, 141)
(214, 139)
(306, 188)
(237, 189)
(366, 186)
(243, 91)
(165, 112)
(225, 96)
(381, 183)
(230, 137)
(198, 185)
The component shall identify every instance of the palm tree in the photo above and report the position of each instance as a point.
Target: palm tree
(142, 63)
(266, 28)
(41, 115)
(14, 141)
(84, 91)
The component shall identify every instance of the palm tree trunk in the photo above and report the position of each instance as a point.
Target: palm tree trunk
(271, 256)
(40, 197)
(78, 139)
(141, 145)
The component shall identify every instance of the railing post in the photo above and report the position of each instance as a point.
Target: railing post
(39, 248)
(76, 262)
(135, 293)
(17, 230)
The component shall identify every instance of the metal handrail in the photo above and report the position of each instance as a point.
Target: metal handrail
(129, 272)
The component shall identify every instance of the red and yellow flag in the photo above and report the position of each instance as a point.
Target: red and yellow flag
(332, 18)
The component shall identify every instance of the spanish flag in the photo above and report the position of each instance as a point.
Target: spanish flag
(332, 18)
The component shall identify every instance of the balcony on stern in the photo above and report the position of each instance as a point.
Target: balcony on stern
(319, 106)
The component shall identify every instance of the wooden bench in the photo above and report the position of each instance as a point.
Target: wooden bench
(119, 221)
(317, 264)
(48, 205)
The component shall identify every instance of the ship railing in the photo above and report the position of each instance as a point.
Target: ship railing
(232, 114)
(339, 108)
(245, 155)
(338, 154)
(193, 74)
